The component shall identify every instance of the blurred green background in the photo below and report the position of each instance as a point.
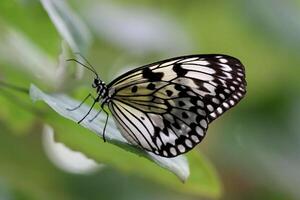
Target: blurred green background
(251, 152)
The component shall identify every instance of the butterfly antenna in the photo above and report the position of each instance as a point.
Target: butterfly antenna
(89, 68)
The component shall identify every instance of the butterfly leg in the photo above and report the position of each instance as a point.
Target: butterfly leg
(88, 96)
(95, 100)
(98, 113)
(107, 115)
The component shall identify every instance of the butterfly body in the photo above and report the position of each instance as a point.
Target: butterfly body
(166, 107)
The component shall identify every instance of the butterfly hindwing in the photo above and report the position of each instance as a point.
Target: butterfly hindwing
(165, 107)
(166, 124)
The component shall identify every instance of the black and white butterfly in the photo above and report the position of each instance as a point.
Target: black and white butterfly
(166, 107)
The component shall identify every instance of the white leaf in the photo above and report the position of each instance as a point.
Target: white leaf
(19, 51)
(71, 28)
(60, 103)
(65, 158)
(68, 24)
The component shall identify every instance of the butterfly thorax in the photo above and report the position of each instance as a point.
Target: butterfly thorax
(101, 89)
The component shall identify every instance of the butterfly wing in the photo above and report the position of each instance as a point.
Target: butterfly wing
(165, 107)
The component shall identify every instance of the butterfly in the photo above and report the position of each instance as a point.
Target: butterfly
(166, 107)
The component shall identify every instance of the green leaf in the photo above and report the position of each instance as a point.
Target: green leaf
(204, 180)
(61, 103)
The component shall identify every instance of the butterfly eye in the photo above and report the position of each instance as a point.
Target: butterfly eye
(96, 83)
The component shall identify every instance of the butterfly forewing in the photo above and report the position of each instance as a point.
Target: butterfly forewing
(165, 107)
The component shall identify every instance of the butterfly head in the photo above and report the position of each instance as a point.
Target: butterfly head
(97, 82)
(99, 85)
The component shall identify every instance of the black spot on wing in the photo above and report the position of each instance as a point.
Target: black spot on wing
(181, 103)
(169, 93)
(179, 70)
(198, 82)
(151, 86)
(152, 76)
(185, 115)
(134, 89)
(180, 87)
(176, 125)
